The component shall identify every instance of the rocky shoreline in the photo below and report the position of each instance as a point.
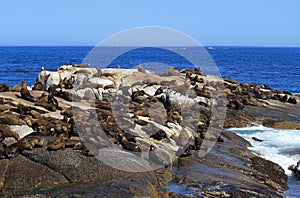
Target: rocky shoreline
(52, 136)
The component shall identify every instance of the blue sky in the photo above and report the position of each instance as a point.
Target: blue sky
(211, 22)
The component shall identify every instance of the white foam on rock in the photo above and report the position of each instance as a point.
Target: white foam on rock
(279, 146)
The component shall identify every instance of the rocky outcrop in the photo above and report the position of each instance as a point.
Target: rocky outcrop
(142, 120)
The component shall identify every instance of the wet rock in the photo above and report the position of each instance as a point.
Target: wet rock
(231, 170)
(21, 173)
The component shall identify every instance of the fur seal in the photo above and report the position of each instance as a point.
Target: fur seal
(25, 94)
(5, 131)
(70, 82)
(173, 70)
(141, 69)
(175, 116)
(257, 139)
(139, 121)
(43, 101)
(159, 135)
(38, 86)
(130, 146)
(99, 73)
(58, 143)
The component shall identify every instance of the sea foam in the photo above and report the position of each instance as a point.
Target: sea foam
(279, 146)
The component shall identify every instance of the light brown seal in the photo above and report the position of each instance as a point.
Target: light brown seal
(25, 94)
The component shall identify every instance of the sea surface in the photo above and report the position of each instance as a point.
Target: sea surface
(278, 68)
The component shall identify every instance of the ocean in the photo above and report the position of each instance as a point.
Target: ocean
(276, 67)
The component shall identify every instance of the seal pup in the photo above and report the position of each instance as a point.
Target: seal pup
(25, 94)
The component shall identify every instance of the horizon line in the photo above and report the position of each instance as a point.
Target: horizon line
(217, 45)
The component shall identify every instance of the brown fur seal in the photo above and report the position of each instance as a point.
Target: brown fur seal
(11, 119)
(43, 101)
(38, 86)
(141, 69)
(25, 94)
(5, 131)
(130, 146)
(142, 112)
(173, 70)
(139, 121)
(58, 143)
(175, 116)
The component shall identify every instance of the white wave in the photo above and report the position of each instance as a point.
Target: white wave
(279, 146)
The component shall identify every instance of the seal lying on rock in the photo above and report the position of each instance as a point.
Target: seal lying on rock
(5, 131)
(130, 146)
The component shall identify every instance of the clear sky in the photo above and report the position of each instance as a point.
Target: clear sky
(211, 22)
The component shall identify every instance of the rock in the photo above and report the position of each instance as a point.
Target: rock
(66, 67)
(22, 174)
(173, 110)
(22, 130)
(48, 78)
(89, 94)
(80, 169)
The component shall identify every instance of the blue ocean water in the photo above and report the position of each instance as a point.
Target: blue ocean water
(276, 67)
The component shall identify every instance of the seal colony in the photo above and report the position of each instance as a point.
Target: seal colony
(154, 117)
